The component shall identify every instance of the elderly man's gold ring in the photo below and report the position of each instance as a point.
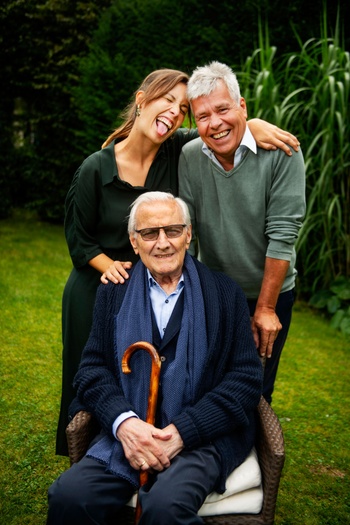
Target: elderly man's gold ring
(142, 464)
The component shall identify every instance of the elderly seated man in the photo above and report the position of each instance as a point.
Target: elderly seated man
(210, 384)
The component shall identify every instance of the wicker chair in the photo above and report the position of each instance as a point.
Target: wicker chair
(269, 447)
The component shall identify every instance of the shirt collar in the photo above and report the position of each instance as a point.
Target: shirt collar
(248, 141)
(109, 171)
(153, 282)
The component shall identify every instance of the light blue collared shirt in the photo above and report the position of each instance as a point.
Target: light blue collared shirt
(247, 142)
(163, 306)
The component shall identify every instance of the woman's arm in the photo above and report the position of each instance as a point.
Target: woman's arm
(270, 137)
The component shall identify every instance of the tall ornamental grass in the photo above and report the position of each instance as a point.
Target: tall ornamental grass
(308, 93)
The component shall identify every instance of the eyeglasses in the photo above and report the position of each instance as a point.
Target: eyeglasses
(172, 232)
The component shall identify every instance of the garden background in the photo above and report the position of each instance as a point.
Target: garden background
(68, 69)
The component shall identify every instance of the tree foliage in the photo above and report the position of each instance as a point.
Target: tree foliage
(65, 85)
(42, 43)
(135, 37)
(70, 67)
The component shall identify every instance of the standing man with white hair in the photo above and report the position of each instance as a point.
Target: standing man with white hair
(246, 207)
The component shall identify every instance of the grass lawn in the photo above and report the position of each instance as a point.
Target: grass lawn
(312, 395)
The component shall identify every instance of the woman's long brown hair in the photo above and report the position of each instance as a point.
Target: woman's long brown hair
(154, 86)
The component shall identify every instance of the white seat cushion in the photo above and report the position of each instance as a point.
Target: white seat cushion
(243, 493)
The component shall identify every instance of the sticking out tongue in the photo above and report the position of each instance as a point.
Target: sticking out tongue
(162, 128)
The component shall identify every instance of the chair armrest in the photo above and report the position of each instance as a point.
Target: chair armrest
(270, 448)
(80, 431)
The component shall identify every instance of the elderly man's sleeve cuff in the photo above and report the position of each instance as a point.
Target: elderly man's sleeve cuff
(187, 430)
(120, 419)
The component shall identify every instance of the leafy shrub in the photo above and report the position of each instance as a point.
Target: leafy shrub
(336, 302)
(308, 93)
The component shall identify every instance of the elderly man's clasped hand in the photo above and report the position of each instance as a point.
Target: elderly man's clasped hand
(147, 447)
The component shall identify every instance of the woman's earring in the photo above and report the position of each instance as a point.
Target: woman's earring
(138, 110)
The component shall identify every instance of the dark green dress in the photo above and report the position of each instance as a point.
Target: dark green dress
(97, 207)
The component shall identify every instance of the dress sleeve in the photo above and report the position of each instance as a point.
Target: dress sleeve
(81, 215)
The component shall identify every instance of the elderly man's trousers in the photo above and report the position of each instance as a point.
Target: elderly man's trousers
(86, 494)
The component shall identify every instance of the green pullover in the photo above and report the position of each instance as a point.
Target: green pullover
(244, 215)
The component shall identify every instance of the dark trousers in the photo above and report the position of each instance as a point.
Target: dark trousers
(284, 311)
(86, 494)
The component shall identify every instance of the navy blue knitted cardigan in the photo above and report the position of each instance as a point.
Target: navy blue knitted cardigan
(223, 412)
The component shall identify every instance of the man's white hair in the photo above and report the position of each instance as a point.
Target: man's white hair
(157, 196)
(204, 80)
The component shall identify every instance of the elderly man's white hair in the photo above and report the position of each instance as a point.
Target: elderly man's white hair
(156, 196)
(204, 80)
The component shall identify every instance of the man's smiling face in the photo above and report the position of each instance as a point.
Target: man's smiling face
(221, 122)
(164, 256)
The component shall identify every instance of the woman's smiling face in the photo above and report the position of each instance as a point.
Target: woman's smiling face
(164, 115)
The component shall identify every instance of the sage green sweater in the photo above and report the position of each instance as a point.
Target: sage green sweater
(242, 216)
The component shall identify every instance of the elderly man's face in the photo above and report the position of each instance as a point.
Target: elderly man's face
(165, 255)
(221, 123)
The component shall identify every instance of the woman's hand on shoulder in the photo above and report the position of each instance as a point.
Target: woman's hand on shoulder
(270, 137)
(116, 273)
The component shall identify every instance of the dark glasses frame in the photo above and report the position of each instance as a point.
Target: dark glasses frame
(173, 231)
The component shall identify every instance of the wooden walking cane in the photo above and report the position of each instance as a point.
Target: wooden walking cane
(152, 395)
